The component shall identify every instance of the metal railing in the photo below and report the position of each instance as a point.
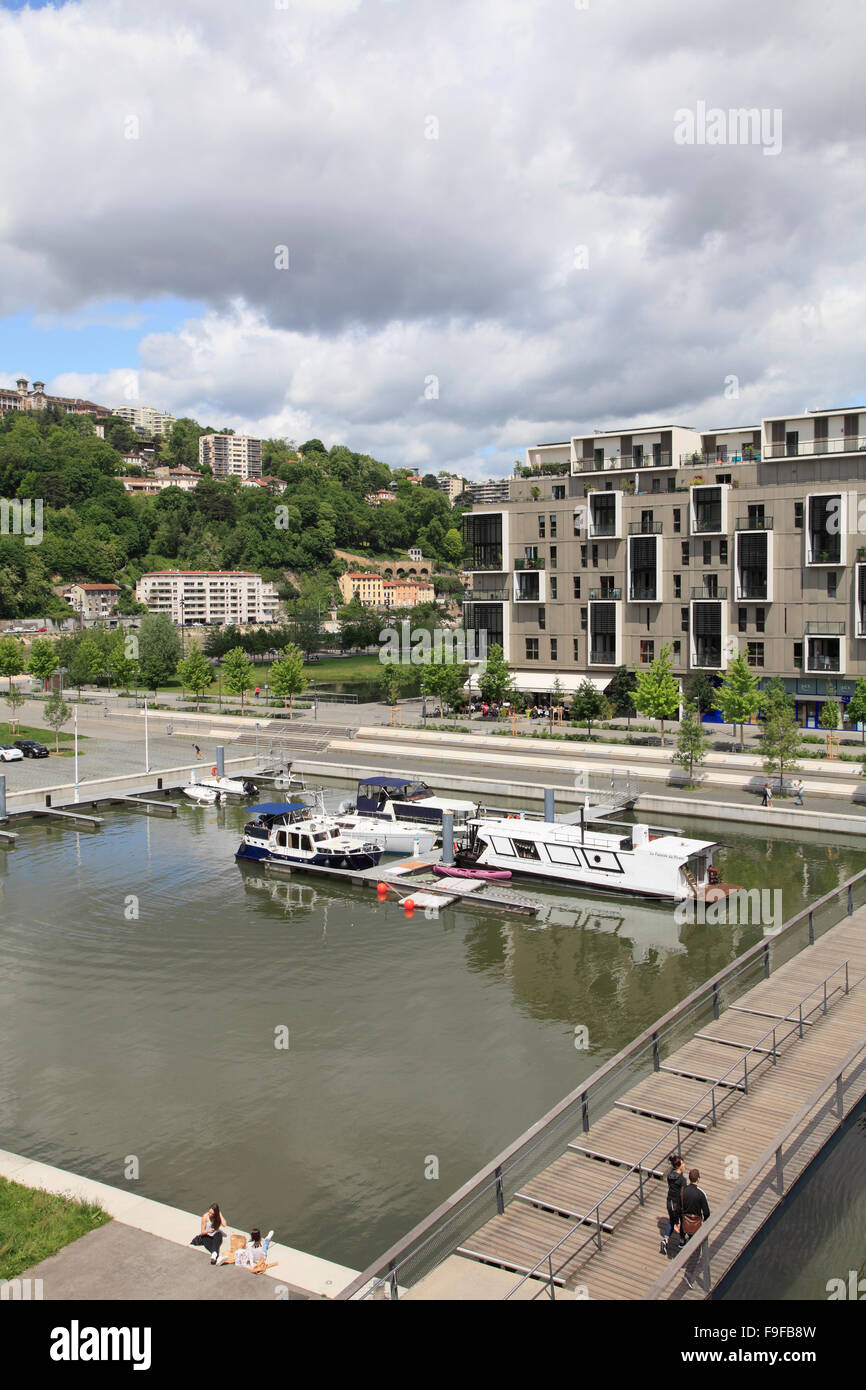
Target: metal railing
(719, 592)
(711, 460)
(599, 658)
(707, 524)
(438, 1235)
(754, 523)
(602, 529)
(797, 1018)
(845, 444)
(645, 528)
(622, 462)
(611, 594)
(766, 1172)
(825, 629)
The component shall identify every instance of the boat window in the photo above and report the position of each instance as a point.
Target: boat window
(306, 843)
(417, 791)
(501, 846)
(323, 835)
(562, 854)
(294, 841)
(526, 849)
(602, 860)
(281, 838)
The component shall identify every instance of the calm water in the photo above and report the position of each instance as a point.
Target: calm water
(154, 1036)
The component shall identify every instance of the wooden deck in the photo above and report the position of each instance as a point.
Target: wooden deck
(758, 1093)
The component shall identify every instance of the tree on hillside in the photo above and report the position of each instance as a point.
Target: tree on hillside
(738, 697)
(42, 660)
(159, 650)
(56, 713)
(658, 693)
(692, 741)
(855, 710)
(195, 672)
(588, 704)
(238, 673)
(11, 658)
(288, 678)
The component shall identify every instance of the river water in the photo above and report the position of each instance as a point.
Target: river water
(148, 983)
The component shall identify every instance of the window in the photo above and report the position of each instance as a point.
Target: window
(583, 619)
(559, 492)
(583, 556)
(531, 648)
(577, 520)
(798, 516)
(541, 619)
(647, 650)
(760, 616)
(798, 653)
(678, 523)
(678, 586)
(553, 557)
(742, 616)
(723, 477)
(575, 586)
(684, 546)
(755, 653)
(684, 619)
(554, 649)
(708, 552)
(723, 551)
(594, 555)
(677, 652)
(656, 485)
(553, 586)
(525, 849)
(541, 528)
(576, 646)
(552, 525)
(832, 583)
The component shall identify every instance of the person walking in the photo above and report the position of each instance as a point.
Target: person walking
(695, 1211)
(767, 795)
(197, 750)
(676, 1183)
(213, 1231)
(798, 789)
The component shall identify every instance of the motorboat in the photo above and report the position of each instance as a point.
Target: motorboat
(231, 786)
(395, 837)
(406, 799)
(198, 792)
(640, 862)
(291, 833)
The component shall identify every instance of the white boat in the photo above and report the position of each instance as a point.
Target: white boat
(231, 786)
(637, 862)
(290, 833)
(198, 792)
(395, 837)
(408, 799)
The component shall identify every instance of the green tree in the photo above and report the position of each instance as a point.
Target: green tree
(829, 720)
(619, 692)
(775, 697)
(444, 680)
(855, 710)
(738, 697)
(42, 661)
(238, 673)
(700, 689)
(56, 713)
(780, 743)
(452, 546)
(195, 672)
(393, 679)
(692, 741)
(588, 704)
(11, 658)
(288, 677)
(658, 694)
(496, 682)
(159, 650)
(14, 699)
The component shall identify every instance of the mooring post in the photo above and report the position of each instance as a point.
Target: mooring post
(549, 806)
(221, 762)
(447, 837)
(3, 815)
(47, 798)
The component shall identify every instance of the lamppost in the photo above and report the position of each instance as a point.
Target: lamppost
(267, 695)
(220, 680)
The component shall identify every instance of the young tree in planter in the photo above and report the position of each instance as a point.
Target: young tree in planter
(619, 692)
(394, 678)
(738, 697)
(11, 658)
(774, 697)
(42, 661)
(195, 673)
(658, 692)
(287, 677)
(700, 690)
(14, 699)
(496, 683)
(238, 673)
(692, 741)
(780, 743)
(855, 710)
(159, 650)
(56, 713)
(829, 720)
(588, 704)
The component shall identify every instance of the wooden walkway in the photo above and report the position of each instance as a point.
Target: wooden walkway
(599, 1180)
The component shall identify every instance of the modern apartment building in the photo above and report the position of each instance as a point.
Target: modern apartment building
(21, 397)
(208, 596)
(147, 423)
(625, 541)
(494, 491)
(231, 455)
(452, 485)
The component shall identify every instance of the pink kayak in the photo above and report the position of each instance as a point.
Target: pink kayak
(451, 871)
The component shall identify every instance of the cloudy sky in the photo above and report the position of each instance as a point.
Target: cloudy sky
(493, 237)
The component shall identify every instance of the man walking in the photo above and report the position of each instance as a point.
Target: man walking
(695, 1211)
(767, 795)
(798, 788)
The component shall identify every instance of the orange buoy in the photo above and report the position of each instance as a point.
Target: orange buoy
(382, 889)
(408, 907)
(213, 772)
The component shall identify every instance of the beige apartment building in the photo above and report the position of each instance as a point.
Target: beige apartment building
(92, 603)
(208, 596)
(375, 591)
(625, 541)
(231, 455)
(148, 423)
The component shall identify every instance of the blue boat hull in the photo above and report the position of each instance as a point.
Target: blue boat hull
(362, 860)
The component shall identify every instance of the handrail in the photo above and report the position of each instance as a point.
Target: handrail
(757, 1169)
(491, 1175)
(637, 1167)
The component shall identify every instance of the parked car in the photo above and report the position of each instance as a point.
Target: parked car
(32, 748)
(9, 753)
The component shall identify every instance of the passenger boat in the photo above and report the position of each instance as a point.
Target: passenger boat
(289, 833)
(661, 866)
(406, 799)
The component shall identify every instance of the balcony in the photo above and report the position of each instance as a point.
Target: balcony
(536, 564)
(603, 528)
(708, 654)
(645, 528)
(643, 593)
(752, 590)
(823, 629)
(623, 463)
(713, 460)
(486, 596)
(600, 594)
(719, 591)
(711, 524)
(754, 523)
(845, 444)
(602, 656)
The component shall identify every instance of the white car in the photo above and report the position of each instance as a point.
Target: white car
(8, 754)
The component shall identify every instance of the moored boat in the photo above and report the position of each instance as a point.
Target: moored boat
(198, 792)
(290, 833)
(407, 799)
(231, 786)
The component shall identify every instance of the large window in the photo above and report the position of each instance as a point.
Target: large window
(531, 648)
(482, 536)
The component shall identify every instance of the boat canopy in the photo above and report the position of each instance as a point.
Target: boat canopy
(390, 782)
(276, 808)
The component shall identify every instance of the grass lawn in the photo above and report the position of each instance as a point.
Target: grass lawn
(45, 736)
(35, 1224)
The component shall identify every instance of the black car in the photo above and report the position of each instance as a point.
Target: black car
(31, 748)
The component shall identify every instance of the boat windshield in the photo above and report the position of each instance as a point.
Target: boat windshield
(418, 791)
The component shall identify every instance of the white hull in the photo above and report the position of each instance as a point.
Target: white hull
(395, 837)
(229, 785)
(204, 796)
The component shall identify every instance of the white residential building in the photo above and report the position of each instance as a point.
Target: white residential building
(208, 596)
(148, 423)
(451, 485)
(231, 455)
